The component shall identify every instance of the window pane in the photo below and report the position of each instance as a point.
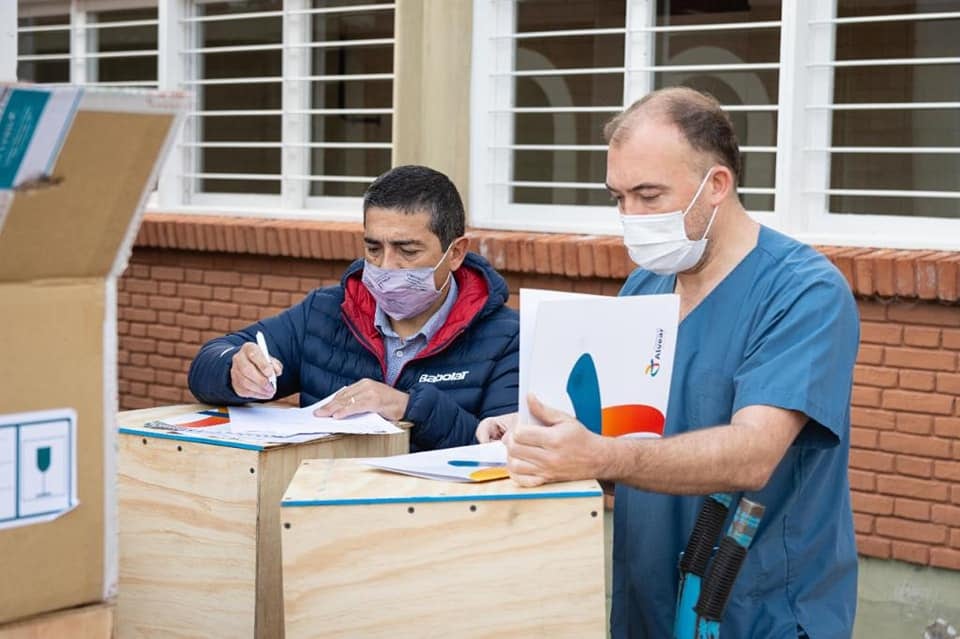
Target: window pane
(899, 129)
(350, 163)
(563, 166)
(103, 38)
(552, 97)
(601, 90)
(350, 97)
(734, 87)
(330, 128)
(756, 202)
(915, 207)
(55, 42)
(561, 128)
(561, 15)
(896, 127)
(256, 62)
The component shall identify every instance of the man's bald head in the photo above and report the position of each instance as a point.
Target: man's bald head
(698, 116)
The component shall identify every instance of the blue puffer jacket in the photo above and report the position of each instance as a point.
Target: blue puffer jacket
(328, 341)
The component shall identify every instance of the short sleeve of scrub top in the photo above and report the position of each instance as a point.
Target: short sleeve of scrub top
(792, 359)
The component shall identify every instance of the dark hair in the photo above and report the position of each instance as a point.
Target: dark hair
(419, 189)
(701, 120)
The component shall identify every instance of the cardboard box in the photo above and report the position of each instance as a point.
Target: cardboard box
(63, 242)
(87, 622)
(367, 553)
(200, 527)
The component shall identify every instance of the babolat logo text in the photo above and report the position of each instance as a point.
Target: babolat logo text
(444, 377)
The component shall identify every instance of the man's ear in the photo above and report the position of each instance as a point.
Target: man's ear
(721, 184)
(458, 252)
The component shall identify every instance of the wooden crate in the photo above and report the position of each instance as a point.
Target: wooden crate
(368, 553)
(88, 622)
(200, 528)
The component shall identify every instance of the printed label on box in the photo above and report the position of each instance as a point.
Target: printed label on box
(33, 125)
(38, 466)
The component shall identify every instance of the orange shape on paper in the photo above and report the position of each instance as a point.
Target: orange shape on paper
(632, 418)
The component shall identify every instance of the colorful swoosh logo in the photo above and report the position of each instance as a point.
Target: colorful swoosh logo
(583, 389)
(652, 368)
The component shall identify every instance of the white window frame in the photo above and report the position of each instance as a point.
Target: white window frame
(177, 71)
(83, 34)
(803, 147)
(294, 201)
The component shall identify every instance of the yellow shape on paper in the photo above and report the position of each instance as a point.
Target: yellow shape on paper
(489, 474)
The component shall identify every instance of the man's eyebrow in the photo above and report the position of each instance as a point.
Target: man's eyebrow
(647, 186)
(395, 243)
(643, 186)
(406, 243)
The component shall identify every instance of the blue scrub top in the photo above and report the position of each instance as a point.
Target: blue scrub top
(782, 330)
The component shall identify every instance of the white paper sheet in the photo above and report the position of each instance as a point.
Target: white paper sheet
(286, 422)
(530, 299)
(463, 464)
(178, 427)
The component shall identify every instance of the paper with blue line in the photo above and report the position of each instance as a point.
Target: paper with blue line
(480, 462)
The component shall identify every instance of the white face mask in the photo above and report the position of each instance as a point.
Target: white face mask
(659, 243)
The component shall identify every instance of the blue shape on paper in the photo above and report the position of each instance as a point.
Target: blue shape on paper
(583, 388)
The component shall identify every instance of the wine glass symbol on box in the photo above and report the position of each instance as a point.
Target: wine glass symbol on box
(43, 465)
(45, 471)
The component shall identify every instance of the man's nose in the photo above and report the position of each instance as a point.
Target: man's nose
(391, 259)
(631, 205)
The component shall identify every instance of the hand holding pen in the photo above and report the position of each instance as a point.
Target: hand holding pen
(253, 371)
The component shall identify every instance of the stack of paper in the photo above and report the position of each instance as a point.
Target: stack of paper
(289, 422)
(269, 424)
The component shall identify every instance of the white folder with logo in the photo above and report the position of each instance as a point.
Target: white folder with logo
(606, 360)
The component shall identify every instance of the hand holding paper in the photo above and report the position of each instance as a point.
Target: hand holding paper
(600, 367)
(560, 450)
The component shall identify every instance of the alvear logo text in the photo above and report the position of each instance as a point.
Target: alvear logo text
(444, 377)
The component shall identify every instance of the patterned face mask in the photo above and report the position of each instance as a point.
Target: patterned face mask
(403, 292)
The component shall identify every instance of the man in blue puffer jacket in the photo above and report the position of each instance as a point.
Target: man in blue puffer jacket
(418, 330)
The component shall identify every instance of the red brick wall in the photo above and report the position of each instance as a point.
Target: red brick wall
(905, 460)
(191, 279)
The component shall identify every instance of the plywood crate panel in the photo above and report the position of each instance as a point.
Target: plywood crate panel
(200, 528)
(369, 554)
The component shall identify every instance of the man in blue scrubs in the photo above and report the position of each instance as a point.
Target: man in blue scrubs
(760, 398)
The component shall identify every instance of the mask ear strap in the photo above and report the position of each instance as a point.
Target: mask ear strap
(696, 195)
(444, 256)
(713, 216)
